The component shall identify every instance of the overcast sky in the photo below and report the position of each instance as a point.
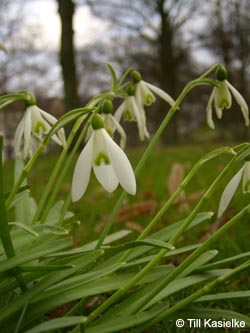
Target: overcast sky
(44, 13)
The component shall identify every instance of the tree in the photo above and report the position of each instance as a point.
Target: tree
(229, 39)
(67, 54)
(158, 27)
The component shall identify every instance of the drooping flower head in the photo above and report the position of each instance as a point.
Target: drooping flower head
(111, 124)
(110, 164)
(229, 191)
(145, 91)
(221, 98)
(34, 125)
(131, 110)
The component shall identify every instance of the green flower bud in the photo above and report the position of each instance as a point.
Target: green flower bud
(136, 76)
(107, 106)
(97, 122)
(131, 90)
(221, 74)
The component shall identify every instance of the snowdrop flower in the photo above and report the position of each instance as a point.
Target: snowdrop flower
(229, 191)
(110, 124)
(34, 124)
(110, 164)
(131, 110)
(145, 91)
(221, 97)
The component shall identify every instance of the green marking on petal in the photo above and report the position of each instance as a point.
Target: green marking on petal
(109, 131)
(39, 127)
(101, 157)
(224, 103)
(149, 99)
(246, 188)
(127, 115)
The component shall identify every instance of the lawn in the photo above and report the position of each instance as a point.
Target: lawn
(160, 176)
(153, 189)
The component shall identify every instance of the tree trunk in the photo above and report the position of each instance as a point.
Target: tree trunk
(168, 68)
(67, 56)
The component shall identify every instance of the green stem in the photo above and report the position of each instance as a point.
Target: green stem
(162, 252)
(148, 151)
(182, 229)
(175, 195)
(210, 70)
(4, 227)
(25, 172)
(44, 199)
(190, 299)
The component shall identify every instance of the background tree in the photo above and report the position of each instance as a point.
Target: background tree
(157, 29)
(229, 40)
(66, 11)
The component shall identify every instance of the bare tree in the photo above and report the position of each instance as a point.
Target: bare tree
(66, 11)
(161, 45)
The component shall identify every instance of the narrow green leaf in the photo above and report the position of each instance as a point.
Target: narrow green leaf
(24, 227)
(226, 261)
(57, 323)
(68, 118)
(202, 259)
(27, 256)
(225, 296)
(117, 324)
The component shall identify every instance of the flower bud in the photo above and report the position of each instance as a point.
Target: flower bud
(221, 73)
(136, 76)
(107, 106)
(131, 90)
(97, 122)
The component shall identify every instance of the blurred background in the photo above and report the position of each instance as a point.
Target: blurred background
(58, 49)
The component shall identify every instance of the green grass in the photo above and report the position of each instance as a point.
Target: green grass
(94, 208)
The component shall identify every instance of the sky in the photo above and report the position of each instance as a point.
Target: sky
(44, 13)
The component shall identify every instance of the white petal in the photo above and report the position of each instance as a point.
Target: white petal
(82, 171)
(209, 111)
(141, 119)
(119, 112)
(18, 137)
(121, 165)
(143, 95)
(222, 98)
(106, 177)
(51, 119)
(229, 191)
(27, 133)
(121, 131)
(242, 103)
(166, 97)
(246, 178)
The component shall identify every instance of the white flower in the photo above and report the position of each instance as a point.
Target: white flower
(230, 189)
(144, 94)
(221, 98)
(110, 164)
(111, 125)
(131, 110)
(34, 124)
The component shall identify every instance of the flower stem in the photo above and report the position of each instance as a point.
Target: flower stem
(4, 227)
(190, 299)
(162, 252)
(215, 153)
(148, 151)
(55, 171)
